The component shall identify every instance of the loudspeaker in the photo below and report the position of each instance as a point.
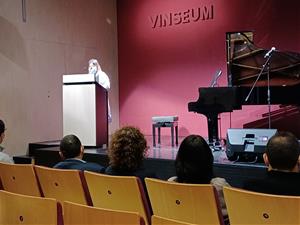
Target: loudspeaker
(247, 144)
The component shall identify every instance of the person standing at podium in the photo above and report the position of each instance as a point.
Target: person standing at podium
(101, 78)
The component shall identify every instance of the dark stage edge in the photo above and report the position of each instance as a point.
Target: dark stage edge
(159, 159)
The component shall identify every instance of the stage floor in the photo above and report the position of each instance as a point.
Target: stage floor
(161, 151)
(166, 151)
(159, 159)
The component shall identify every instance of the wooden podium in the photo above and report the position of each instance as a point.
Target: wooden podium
(85, 112)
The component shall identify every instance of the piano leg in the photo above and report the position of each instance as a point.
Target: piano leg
(212, 124)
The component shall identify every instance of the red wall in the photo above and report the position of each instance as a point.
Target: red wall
(161, 68)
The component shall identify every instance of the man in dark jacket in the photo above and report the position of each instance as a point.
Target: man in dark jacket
(71, 151)
(282, 160)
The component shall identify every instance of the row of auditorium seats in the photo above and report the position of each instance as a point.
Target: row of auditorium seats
(29, 210)
(191, 203)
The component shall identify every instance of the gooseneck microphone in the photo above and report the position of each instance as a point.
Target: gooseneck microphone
(269, 52)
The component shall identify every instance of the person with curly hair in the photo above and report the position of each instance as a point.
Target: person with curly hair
(126, 153)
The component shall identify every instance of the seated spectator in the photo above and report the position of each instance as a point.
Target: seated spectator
(194, 165)
(282, 159)
(126, 154)
(71, 151)
(3, 156)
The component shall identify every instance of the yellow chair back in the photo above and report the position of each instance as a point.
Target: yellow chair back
(19, 178)
(28, 210)
(192, 203)
(157, 220)
(118, 193)
(63, 184)
(246, 207)
(81, 214)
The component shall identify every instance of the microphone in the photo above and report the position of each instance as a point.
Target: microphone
(269, 52)
(217, 75)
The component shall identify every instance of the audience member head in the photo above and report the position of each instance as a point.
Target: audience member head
(194, 161)
(127, 149)
(2, 131)
(70, 147)
(282, 152)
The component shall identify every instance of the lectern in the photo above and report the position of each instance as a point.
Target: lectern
(85, 109)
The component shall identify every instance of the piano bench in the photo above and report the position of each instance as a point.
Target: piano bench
(165, 121)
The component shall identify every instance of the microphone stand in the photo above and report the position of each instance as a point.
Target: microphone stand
(269, 91)
(266, 64)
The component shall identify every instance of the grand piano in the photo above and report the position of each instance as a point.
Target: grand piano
(244, 64)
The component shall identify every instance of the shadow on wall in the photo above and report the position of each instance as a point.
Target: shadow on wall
(12, 44)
